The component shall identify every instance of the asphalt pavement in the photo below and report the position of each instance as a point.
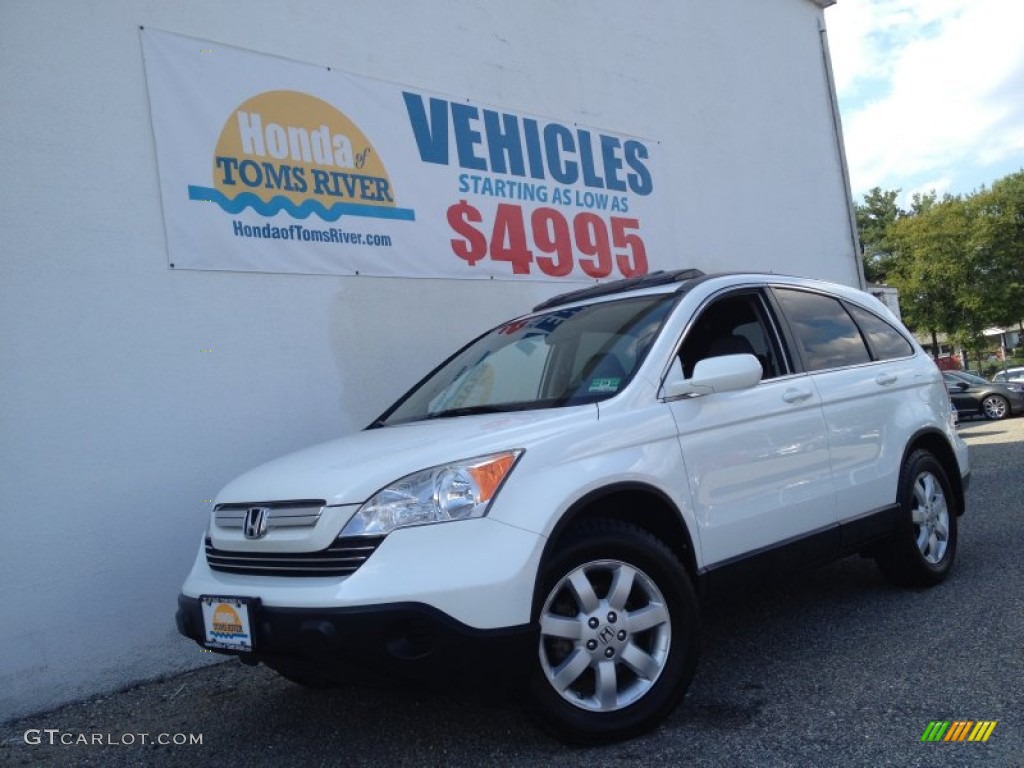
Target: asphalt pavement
(832, 668)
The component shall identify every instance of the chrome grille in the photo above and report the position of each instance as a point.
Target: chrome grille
(342, 558)
(283, 514)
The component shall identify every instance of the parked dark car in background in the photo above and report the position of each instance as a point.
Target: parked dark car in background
(1015, 374)
(974, 396)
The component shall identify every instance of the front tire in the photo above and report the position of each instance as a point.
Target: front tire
(618, 634)
(995, 407)
(922, 550)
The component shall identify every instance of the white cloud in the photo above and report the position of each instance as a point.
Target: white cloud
(930, 89)
(864, 33)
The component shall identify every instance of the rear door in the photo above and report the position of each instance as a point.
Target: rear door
(864, 370)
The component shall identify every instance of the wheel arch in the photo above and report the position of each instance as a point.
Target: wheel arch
(639, 504)
(936, 443)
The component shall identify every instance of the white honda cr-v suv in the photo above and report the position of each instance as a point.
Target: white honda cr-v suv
(546, 507)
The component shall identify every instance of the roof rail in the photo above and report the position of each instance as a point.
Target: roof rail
(661, 277)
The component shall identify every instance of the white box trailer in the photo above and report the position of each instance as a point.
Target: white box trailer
(134, 385)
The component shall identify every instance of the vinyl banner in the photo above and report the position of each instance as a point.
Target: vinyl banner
(271, 165)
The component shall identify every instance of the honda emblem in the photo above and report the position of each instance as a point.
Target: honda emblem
(256, 519)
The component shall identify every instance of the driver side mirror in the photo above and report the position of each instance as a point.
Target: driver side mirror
(727, 373)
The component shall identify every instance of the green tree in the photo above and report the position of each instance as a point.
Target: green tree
(929, 269)
(923, 202)
(958, 262)
(999, 240)
(875, 216)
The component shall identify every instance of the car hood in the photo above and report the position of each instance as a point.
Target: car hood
(352, 468)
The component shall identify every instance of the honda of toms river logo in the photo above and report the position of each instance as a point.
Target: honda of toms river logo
(292, 152)
(227, 623)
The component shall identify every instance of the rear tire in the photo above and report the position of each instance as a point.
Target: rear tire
(921, 552)
(619, 632)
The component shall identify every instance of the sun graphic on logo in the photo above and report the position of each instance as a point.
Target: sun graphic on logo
(293, 145)
(226, 619)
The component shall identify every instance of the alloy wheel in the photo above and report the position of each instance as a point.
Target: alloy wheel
(994, 407)
(605, 635)
(930, 515)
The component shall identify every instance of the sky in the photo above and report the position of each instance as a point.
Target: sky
(931, 92)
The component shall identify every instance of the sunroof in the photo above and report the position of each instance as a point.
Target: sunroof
(661, 277)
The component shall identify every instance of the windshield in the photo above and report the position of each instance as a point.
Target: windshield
(564, 357)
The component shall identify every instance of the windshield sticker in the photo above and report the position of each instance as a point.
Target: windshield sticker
(604, 385)
(541, 324)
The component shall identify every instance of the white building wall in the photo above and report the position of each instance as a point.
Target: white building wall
(131, 392)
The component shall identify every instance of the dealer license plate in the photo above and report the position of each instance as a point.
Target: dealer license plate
(228, 622)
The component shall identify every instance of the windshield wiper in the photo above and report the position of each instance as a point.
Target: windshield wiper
(472, 410)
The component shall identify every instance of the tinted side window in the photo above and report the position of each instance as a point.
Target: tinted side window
(825, 332)
(885, 341)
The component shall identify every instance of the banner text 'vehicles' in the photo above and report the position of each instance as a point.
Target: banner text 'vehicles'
(499, 142)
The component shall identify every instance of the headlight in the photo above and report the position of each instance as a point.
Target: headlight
(455, 491)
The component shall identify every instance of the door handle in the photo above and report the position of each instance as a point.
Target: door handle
(794, 395)
(886, 378)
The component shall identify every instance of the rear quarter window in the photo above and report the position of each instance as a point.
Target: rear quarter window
(886, 342)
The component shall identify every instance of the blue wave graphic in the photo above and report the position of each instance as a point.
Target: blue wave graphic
(230, 635)
(280, 203)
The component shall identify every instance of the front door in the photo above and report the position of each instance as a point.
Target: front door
(757, 460)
